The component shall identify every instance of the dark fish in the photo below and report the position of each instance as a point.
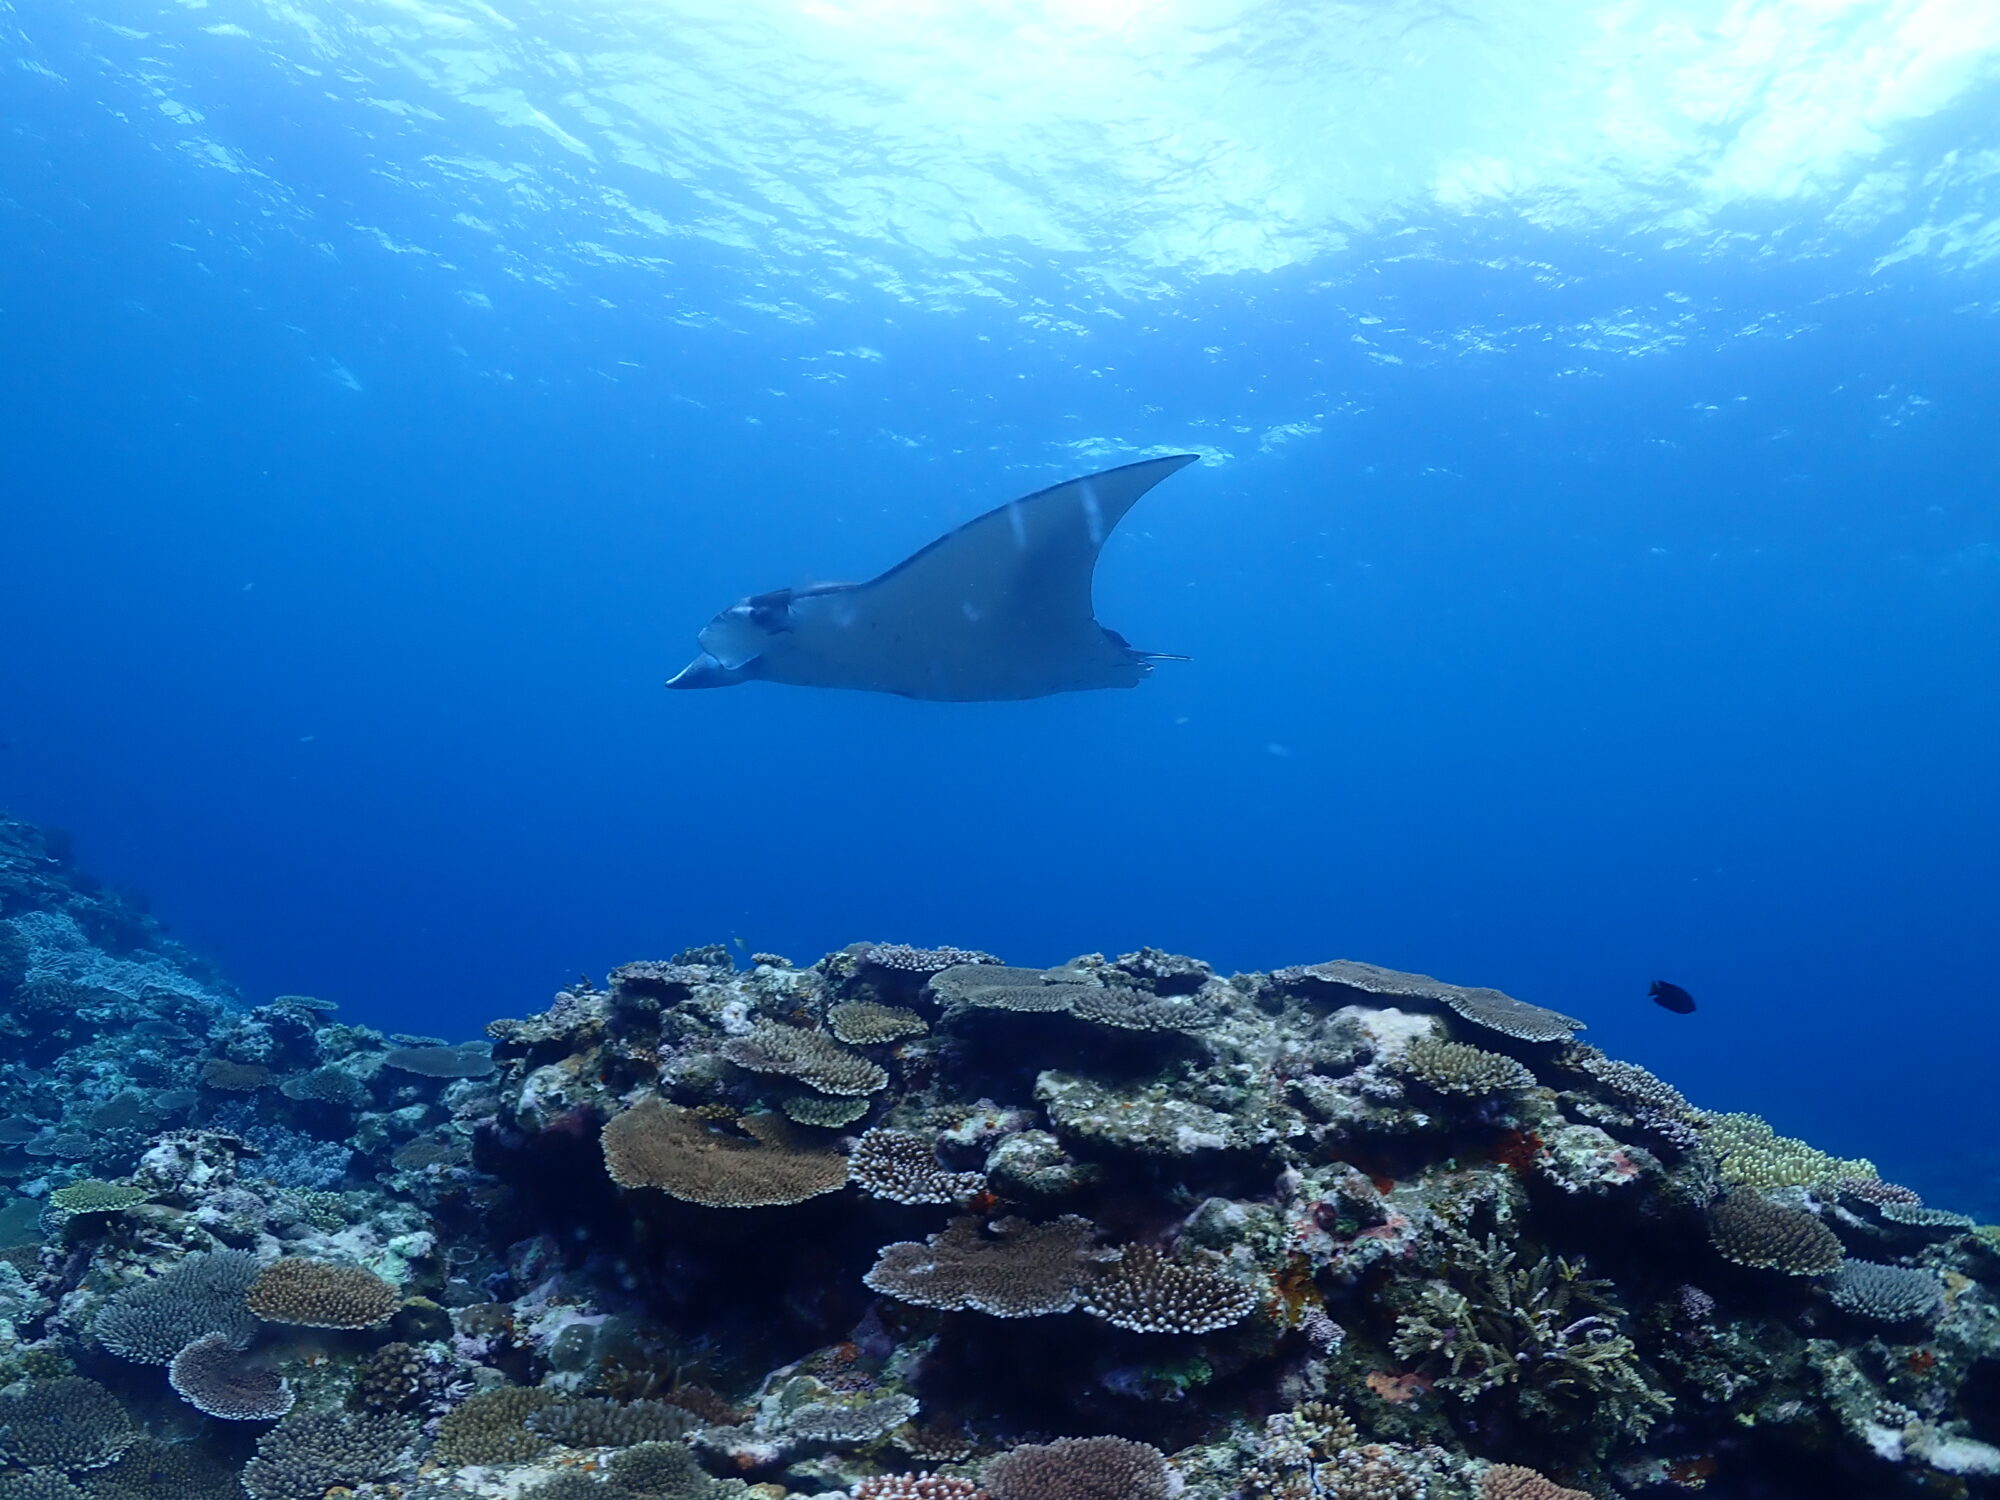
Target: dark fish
(1672, 997)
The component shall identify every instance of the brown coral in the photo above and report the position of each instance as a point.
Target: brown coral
(812, 1057)
(1148, 1294)
(1751, 1230)
(1021, 1270)
(658, 1145)
(903, 959)
(864, 1023)
(1483, 1007)
(925, 1486)
(903, 1167)
(1454, 1068)
(234, 1077)
(320, 1294)
(1512, 1482)
(1094, 1468)
(492, 1427)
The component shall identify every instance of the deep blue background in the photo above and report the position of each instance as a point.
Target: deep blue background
(1549, 671)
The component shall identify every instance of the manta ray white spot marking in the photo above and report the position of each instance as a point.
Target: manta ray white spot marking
(1093, 513)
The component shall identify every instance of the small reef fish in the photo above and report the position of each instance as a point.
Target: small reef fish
(1672, 997)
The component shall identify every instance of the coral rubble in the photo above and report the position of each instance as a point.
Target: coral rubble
(916, 1224)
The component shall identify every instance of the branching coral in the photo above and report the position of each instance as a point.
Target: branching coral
(596, 1422)
(152, 1321)
(812, 1057)
(1064, 992)
(866, 1023)
(1147, 1294)
(1021, 1270)
(492, 1427)
(64, 1423)
(903, 1167)
(1751, 1230)
(1483, 1007)
(310, 1453)
(320, 1294)
(1754, 1155)
(1887, 1294)
(1098, 1468)
(1453, 1068)
(924, 1486)
(215, 1377)
(901, 958)
(1512, 1482)
(1542, 1331)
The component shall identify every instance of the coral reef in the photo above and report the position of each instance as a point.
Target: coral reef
(916, 1224)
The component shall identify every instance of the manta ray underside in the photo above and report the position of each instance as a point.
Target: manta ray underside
(999, 608)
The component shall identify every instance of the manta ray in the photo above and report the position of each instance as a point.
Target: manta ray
(998, 609)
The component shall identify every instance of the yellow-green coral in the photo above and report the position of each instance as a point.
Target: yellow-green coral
(88, 1195)
(1752, 1154)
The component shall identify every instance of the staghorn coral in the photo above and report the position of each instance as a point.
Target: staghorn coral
(1751, 1230)
(867, 1023)
(1512, 1482)
(309, 1453)
(811, 1057)
(1548, 1336)
(1095, 1468)
(492, 1427)
(320, 1294)
(1019, 1270)
(1453, 1068)
(1887, 1294)
(66, 1422)
(152, 1321)
(1147, 1294)
(598, 1422)
(215, 1377)
(658, 1145)
(903, 1168)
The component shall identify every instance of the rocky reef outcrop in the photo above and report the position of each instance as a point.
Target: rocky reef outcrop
(916, 1224)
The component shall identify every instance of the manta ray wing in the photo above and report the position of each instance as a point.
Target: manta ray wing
(999, 608)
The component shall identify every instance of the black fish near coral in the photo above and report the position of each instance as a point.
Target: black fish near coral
(1671, 997)
(880, 1226)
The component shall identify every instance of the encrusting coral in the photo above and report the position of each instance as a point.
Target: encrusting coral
(913, 1224)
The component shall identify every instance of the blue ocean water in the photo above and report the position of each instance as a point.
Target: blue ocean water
(1594, 576)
